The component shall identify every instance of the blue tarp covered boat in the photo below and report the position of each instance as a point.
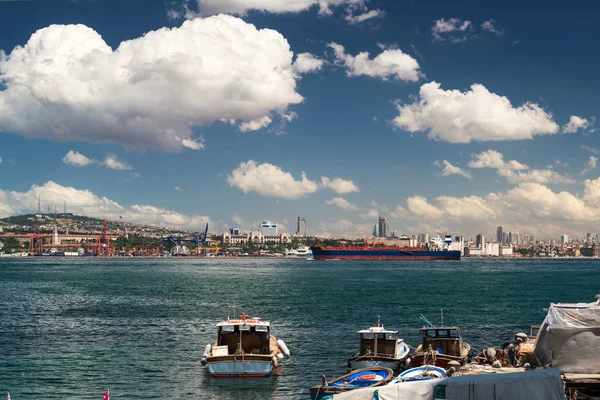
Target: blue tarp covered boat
(359, 378)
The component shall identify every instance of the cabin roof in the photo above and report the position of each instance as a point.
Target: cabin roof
(376, 329)
(440, 328)
(247, 321)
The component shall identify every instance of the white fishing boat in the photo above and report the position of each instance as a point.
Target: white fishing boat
(380, 347)
(244, 347)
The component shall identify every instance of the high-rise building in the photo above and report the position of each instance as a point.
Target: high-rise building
(511, 238)
(588, 237)
(268, 228)
(234, 231)
(479, 240)
(517, 238)
(301, 231)
(499, 236)
(564, 239)
(394, 234)
(383, 227)
(504, 237)
(423, 238)
(375, 230)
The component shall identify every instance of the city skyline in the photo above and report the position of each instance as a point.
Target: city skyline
(474, 117)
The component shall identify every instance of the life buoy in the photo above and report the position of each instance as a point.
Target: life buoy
(368, 377)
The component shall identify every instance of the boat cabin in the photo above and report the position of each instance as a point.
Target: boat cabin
(378, 341)
(251, 335)
(444, 340)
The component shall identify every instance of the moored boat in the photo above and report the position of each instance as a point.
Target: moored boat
(244, 347)
(421, 373)
(380, 347)
(360, 378)
(440, 346)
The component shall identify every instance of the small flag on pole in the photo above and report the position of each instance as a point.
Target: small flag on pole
(120, 217)
(106, 396)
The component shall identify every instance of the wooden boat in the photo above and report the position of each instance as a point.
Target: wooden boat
(380, 347)
(421, 373)
(440, 346)
(359, 378)
(244, 347)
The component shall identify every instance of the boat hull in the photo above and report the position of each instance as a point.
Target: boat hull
(361, 378)
(320, 253)
(233, 368)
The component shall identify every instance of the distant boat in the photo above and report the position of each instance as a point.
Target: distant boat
(360, 378)
(380, 347)
(244, 347)
(303, 251)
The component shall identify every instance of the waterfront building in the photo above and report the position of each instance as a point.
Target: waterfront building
(506, 250)
(564, 239)
(301, 231)
(268, 228)
(479, 241)
(234, 231)
(499, 236)
(491, 249)
(255, 237)
(383, 227)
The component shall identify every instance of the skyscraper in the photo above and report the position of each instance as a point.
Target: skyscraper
(301, 231)
(517, 238)
(499, 236)
(375, 230)
(564, 239)
(511, 238)
(480, 240)
(383, 227)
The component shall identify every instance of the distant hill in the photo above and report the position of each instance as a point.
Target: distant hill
(28, 219)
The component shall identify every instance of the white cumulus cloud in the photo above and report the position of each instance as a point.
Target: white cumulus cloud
(307, 63)
(449, 169)
(66, 83)
(576, 123)
(447, 29)
(256, 124)
(84, 202)
(77, 159)
(342, 203)
(112, 161)
(391, 63)
(514, 171)
(240, 7)
(478, 114)
(339, 185)
(490, 26)
(270, 181)
(420, 206)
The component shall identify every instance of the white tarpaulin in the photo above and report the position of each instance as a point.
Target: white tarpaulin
(569, 338)
(529, 385)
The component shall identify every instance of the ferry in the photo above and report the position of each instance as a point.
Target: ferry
(245, 348)
(304, 252)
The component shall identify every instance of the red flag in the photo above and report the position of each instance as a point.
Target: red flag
(243, 316)
(106, 396)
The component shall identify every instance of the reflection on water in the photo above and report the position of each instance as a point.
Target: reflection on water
(75, 327)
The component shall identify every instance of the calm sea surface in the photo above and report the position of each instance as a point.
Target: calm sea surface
(71, 328)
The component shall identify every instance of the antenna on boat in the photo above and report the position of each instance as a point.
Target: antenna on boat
(442, 314)
(429, 324)
(378, 321)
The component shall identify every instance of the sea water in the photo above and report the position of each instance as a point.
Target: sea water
(73, 328)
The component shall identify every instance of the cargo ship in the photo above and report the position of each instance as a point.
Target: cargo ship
(436, 249)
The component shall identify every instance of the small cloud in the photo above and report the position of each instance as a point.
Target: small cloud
(194, 144)
(375, 119)
(112, 161)
(577, 123)
(490, 26)
(360, 18)
(591, 149)
(77, 159)
(590, 165)
(177, 188)
(449, 169)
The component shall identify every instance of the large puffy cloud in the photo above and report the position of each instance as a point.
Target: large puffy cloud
(270, 181)
(391, 63)
(84, 202)
(514, 171)
(478, 114)
(209, 7)
(66, 83)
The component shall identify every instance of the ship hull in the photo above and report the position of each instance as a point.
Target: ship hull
(320, 253)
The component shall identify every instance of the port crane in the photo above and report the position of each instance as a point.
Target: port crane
(202, 248)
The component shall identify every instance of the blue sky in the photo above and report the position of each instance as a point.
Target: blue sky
(448, 156)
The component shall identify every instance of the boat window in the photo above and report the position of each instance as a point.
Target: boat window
(244, 328)
(430, 333)
(390, 336)
(442, 333)
(261, 328)
(367, 336)
(454, 333)
(227, 328)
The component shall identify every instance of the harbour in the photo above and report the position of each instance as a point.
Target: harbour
(74, 327)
